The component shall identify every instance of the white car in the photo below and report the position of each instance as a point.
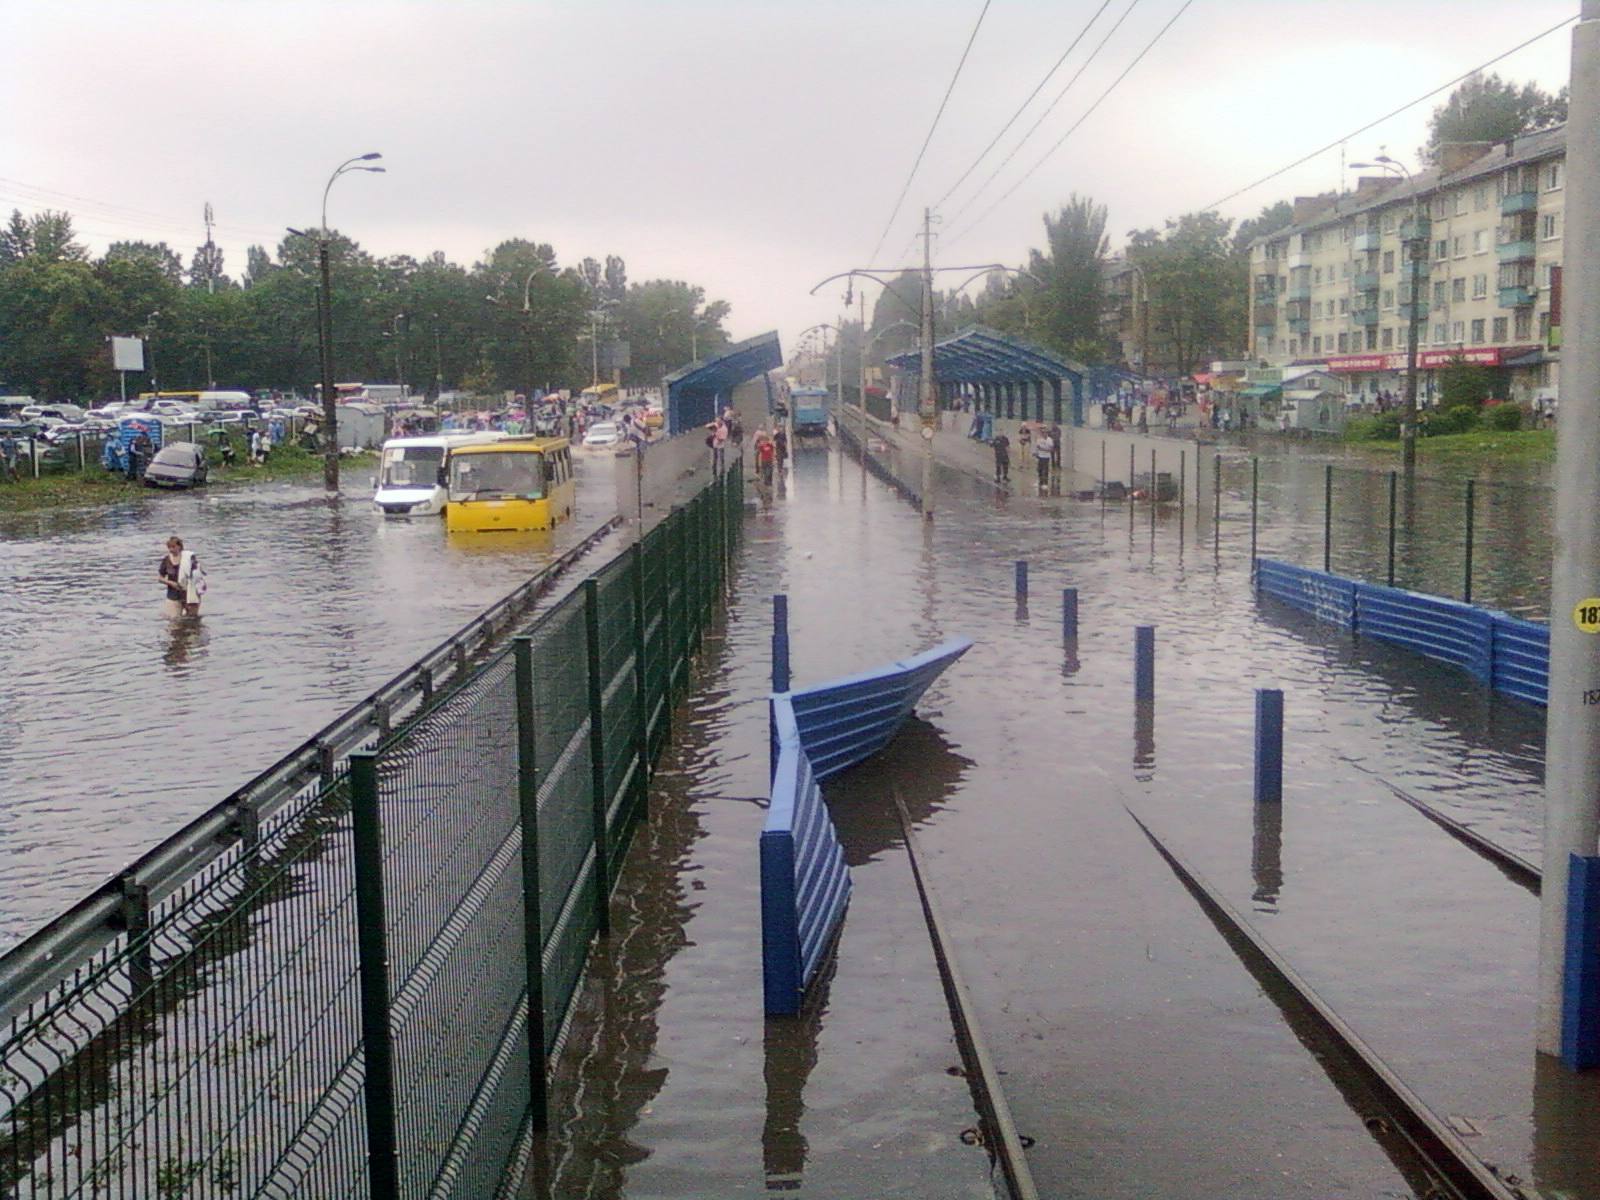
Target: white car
(604, 434)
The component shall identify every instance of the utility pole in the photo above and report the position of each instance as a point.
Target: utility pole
(1572, 721)
(1416, 247)
(928, 408)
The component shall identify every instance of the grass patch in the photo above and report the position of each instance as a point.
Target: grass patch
(1535, 446)
(98, 487)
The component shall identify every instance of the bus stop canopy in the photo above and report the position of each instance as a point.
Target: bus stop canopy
(993, 360)
(697, 393)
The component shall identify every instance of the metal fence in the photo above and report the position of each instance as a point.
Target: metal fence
(323, 986)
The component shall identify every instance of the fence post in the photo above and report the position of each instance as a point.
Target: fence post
(1393, 482)
(532, 916)
(1327, 518)
(1102, 471)
(372, 952)
(641, 688)
(1216, 503)
(780, 643)
(1022, 580)
(1269, 746)
(597, 757)
(1255, 507)
(1144, 663)
(1069, 614)
(1466, 583)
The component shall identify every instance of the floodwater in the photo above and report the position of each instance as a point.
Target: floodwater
(1135, 1049)
(117, 726)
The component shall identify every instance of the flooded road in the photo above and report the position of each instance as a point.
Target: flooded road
(118, 726)
(1136, 1050)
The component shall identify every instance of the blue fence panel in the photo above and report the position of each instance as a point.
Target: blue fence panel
(1446, 630)
(1327, 597)
(1522, 659)
(1511, 655)
(842, 722)
(805, 885)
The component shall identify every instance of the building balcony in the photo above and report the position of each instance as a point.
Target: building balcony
(1366, 281)
(1297, 291)
(1296, 262)
(1299, 324)
(1515, 252)
(1365, 243)
(1364, 316)
(1416, 229)
(1265, 314)
(1517, 297)
(1404, 312)
(1519, 202)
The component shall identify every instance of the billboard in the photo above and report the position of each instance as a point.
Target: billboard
(127, 353)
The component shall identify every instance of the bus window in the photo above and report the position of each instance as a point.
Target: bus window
(497, 473)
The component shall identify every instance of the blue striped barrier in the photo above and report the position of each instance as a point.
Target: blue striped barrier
(843, 722)
(1507, 653)
(805, 884)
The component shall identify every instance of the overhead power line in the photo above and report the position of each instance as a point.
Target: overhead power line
(1161, 33)
(955, 76)
(1037, 88)
(1379, 121)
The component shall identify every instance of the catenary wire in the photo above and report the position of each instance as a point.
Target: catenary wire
(1039, 87)
(1379, 121)
(889, 224)
(1161, 33)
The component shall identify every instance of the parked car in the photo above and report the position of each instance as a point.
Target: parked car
(58, 412)
(177, 465)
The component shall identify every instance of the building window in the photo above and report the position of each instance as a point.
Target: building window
(1480, 199)
(1441, 208)
(1372, 339)
(1438, 293)
(1548, 274)
(1458, 204)
(1522, 322)
(1389, 222)
(1344, 270)
(1388, 262)
(1344, 343)
(1480, 287)
(1458, 246)
(1316, 345)
(1388, 337)
(1544, 327)
(1344, 306)
(1458, 331)
(1552, 177)
(1438, 334)
(1316, 275)
(1458, 290)
(1548, 226)
(1498, 333)
(1441, 249)
(1477, 331)
(1387, 300)
(1480, 241)
(1344, 233)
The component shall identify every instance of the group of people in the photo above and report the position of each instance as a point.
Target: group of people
(720, 433)
(772, 451)
(1037, 440)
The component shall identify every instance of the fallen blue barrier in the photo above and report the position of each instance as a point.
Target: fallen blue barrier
(805, 885)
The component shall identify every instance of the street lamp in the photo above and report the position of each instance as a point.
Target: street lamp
(1415, 247)
(330, 412)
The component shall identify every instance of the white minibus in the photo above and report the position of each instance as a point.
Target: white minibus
(411, 472)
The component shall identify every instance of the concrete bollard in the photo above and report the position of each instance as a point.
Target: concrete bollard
(1022, 581)
(1269, 746)
(1069, 614)
(1144, 663)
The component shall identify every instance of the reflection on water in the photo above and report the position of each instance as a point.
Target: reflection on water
(119, 726)
(1266, 854)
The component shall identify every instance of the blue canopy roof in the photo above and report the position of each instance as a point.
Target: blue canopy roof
(698, 392)
(979, 355)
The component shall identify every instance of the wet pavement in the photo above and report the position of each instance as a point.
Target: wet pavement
(1135, 1049)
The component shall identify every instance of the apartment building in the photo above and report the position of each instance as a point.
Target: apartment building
(1467, 253)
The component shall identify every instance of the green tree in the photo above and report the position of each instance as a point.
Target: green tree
(53, 312)
(1070, 295)
(667, 324)
(1196, 289)
(1486, 108)
(1463, 384)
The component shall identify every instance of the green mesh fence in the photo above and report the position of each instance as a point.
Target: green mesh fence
(359, 996)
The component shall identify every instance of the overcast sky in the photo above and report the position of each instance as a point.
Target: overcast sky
(753, 147)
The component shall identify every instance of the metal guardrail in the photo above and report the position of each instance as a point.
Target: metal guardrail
(314, 989)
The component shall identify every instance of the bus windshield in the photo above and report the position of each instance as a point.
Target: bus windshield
(497, 473)
(410, 466)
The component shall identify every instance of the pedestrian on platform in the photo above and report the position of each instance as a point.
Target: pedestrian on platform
(780, 446)
(766, 457)
(1043, 453)
(1055, 453)
(1002, 458)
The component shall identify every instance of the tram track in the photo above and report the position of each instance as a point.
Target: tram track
(1434, 1160)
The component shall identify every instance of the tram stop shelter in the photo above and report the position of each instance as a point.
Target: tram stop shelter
(1004, 375)
(697, 393)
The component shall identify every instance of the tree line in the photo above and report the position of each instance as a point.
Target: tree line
(514, 321)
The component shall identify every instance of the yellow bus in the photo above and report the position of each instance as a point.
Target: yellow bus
(516, 483)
